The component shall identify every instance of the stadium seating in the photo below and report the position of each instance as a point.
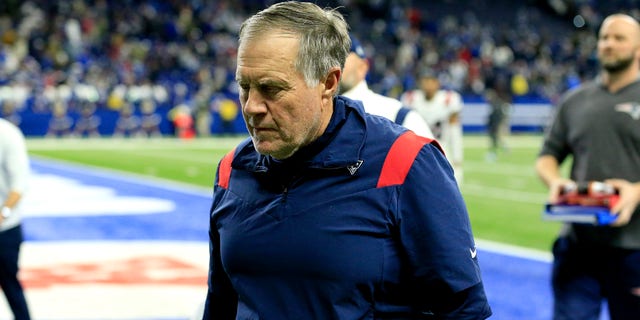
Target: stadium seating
(183, 53)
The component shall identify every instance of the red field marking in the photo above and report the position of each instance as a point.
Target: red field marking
(149, 270)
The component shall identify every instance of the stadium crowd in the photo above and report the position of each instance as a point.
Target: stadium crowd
(115, 55)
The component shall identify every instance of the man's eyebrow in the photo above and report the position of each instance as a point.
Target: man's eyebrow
(264, 81)
(272, 82)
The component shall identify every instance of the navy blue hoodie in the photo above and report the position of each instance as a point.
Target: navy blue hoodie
(349, 227)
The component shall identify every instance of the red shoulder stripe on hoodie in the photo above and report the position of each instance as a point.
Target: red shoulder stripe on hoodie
(400, 158)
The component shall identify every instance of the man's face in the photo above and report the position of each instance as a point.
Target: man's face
(355, 70)
(281, 112)
(617, 45)
(430, 86)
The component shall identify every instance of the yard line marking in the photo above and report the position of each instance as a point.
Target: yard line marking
(514, 251)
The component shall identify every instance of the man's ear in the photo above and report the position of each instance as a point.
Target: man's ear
(331, 83)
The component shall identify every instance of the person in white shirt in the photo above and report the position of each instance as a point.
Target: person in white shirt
(441, 109)
(14, 173)
(353, 85)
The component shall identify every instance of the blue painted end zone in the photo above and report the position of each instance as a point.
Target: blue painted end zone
(188, 221)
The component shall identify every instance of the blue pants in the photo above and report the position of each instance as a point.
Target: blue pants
(10, 241)
(584, 276)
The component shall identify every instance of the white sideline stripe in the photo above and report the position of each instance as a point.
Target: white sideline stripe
(514, 251)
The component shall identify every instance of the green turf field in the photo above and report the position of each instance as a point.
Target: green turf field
(505, 197)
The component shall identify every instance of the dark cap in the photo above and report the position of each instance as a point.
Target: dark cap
(356, 47)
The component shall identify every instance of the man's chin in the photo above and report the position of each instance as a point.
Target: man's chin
(616, 66)
(265, 147)
(274, 150)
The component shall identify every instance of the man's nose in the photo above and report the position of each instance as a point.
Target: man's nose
(255, 103)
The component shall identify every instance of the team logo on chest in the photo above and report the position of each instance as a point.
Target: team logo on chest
(631, 108)
(354, 167)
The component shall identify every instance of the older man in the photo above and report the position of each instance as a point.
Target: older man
(327, 212)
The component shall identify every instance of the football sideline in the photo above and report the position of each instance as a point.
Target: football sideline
(106, 245)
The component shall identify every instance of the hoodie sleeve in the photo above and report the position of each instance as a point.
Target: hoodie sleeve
(436, 235)
(222, 299)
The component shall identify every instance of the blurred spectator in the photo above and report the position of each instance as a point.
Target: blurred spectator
(149, 119)
(60, 124)
(111, 52)
(203, 119)
(88, 122)
(128, 124)
(228, 110)
(182, 121)
(441, 109)
(497, 123)
(203, 99)
(10, 113)
(353, 85)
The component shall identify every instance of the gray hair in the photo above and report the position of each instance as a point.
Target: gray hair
(323, 33)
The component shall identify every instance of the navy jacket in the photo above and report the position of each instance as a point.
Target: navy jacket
(330, 234)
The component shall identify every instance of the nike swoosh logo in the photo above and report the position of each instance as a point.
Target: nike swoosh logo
(474, 253)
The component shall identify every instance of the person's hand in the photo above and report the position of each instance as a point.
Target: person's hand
(5, 212)
(629, 199)
(556, 186)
